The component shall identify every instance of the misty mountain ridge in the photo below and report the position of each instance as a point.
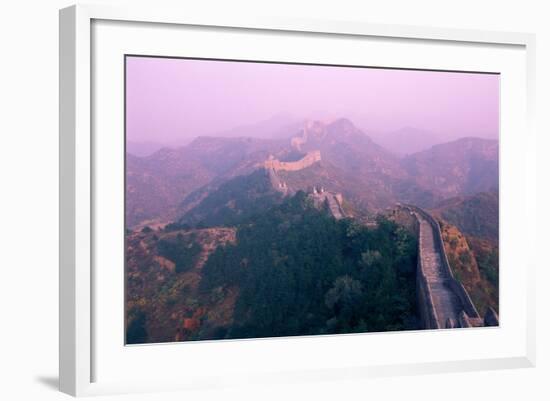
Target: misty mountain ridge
(368, 175)
(464, 166)
(475, 215)
(278, 126)
(401, 142)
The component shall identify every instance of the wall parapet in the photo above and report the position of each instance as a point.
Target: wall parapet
(456, 287)
(306, 161)
(427, 311)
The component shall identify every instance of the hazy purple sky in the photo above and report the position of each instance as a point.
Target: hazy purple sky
(173, 100)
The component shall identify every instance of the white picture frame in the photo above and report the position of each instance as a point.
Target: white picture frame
(78, 158)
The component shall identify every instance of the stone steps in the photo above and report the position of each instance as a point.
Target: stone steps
(446, 303)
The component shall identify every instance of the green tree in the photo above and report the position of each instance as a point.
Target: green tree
(345, 300)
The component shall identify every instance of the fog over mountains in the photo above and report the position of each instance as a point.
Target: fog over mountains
(281, 125)
(401, 142)
(165, 184)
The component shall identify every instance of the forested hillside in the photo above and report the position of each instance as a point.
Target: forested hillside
(291, 270)
(300, 271)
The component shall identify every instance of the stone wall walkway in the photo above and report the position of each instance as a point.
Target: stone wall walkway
(446, 303)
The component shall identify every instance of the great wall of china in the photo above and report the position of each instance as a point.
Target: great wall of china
(306, 161)
(443, 302)
(318, 195)
(332, 200)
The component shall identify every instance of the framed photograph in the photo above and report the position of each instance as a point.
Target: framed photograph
(272, 200)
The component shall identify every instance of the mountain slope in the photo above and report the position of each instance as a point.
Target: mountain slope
(475, 215)
(157, 184)
(234, 201)
(474, 265)
(345, 146)
(171, 182)
(461, 167)
(470, 226)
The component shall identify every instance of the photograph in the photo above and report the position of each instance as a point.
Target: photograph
(275, 199)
